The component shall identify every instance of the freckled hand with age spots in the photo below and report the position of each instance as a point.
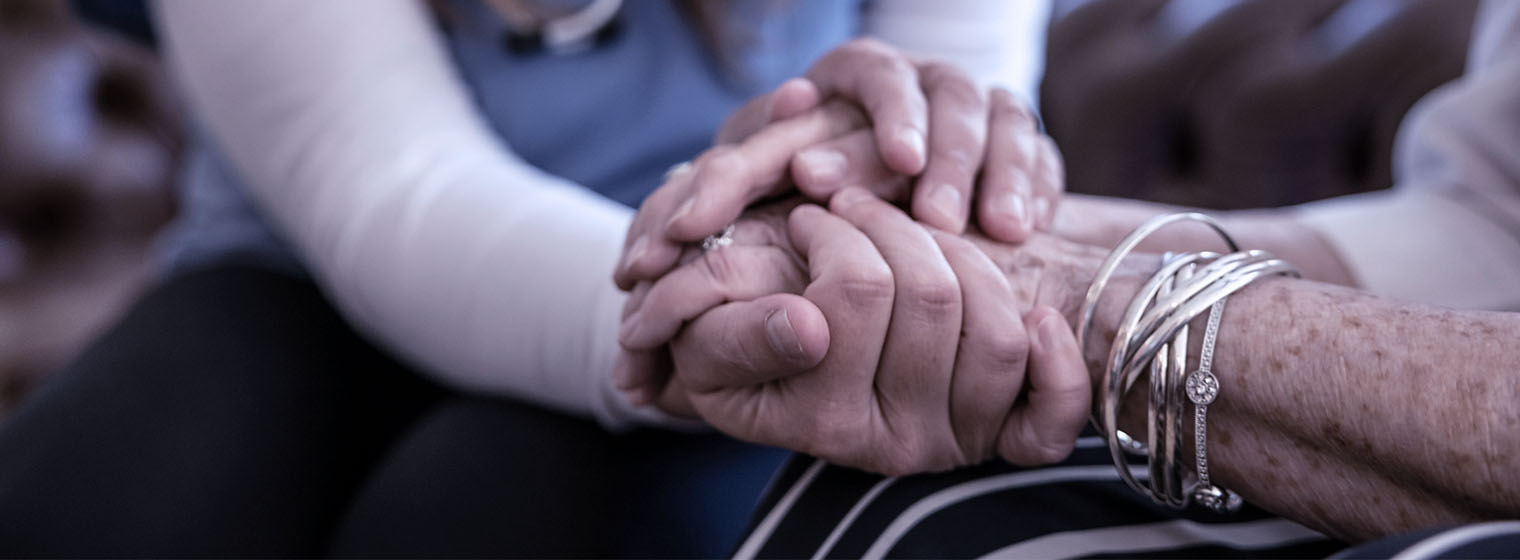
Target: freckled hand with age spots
(1356, 415)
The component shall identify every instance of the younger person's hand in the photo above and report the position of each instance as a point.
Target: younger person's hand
(981, 148)
(904, 352)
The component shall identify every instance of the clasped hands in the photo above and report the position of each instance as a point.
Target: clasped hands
(836, 324)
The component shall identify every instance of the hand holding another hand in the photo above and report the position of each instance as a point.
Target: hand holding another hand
(890, 347)
(918, 132)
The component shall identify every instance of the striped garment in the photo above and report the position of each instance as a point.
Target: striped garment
(1075, 509)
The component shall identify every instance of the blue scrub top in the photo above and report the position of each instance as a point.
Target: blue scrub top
(611, 118)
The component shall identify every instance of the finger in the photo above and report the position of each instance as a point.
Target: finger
(647, 253)
(736, 272)
(957, 140)
(636, 297)
(1049, 183)
(793, 97)
(640, 374)
(818, 410)
(847, 161)
(725, 182)
(886, 83)
(751, 342)
(989, 366)
(851, 284)
(1044, 429)
(789, 99)
(913, 379)
(675, 399)
(826, 410)
(1005, 191)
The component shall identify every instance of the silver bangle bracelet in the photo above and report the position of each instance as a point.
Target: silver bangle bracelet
(1111, 264)
(1165, 421)
(1128, 360)
(1202, 389)
(1151, 339)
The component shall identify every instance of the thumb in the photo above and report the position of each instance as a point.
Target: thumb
(1044, 429)
(750, 342)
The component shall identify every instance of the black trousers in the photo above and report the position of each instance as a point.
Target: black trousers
(233, 412)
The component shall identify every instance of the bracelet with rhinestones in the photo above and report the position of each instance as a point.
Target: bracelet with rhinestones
(1151, 340)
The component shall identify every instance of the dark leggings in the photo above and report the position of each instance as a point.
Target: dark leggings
(233, 412)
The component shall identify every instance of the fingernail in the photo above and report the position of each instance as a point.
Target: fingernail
(1050, 330)
(823, 164)
(630, 327)
(914, 140)
(1042, 211)
(1005, 207)
(947, 200)
(636, 252)
(783, 338)
(1021, 211)
(682, 211)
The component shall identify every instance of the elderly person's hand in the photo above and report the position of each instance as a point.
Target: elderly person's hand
(904, 352)
(916, 128)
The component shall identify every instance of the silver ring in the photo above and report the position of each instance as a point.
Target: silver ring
(677, 169)
(719, 240)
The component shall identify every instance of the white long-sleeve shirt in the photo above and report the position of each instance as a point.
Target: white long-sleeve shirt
(352, 130)
(1449, 232)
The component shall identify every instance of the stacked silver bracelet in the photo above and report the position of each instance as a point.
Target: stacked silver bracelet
(1152, 340)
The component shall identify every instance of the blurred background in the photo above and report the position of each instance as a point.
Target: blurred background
(1212, 103)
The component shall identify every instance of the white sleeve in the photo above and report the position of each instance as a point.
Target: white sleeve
(1000, 42)
(347, 121)
(1449, 232)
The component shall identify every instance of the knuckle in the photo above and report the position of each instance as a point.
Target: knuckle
(1007, 349)
(722, 267)
(868, 289)
(1014, 113)
(954, 85)
(937, 297)
(957, 158)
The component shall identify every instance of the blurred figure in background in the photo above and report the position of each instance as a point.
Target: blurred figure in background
(89, 138)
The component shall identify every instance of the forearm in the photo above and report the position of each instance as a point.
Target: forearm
(1103, 221)
(1353, 414)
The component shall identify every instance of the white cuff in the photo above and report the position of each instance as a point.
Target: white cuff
(1423, 247)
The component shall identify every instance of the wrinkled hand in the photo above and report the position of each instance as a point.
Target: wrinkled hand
(904, 352)
(902, 127)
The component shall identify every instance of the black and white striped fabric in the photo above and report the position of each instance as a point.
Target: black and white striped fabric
(1076, 509)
